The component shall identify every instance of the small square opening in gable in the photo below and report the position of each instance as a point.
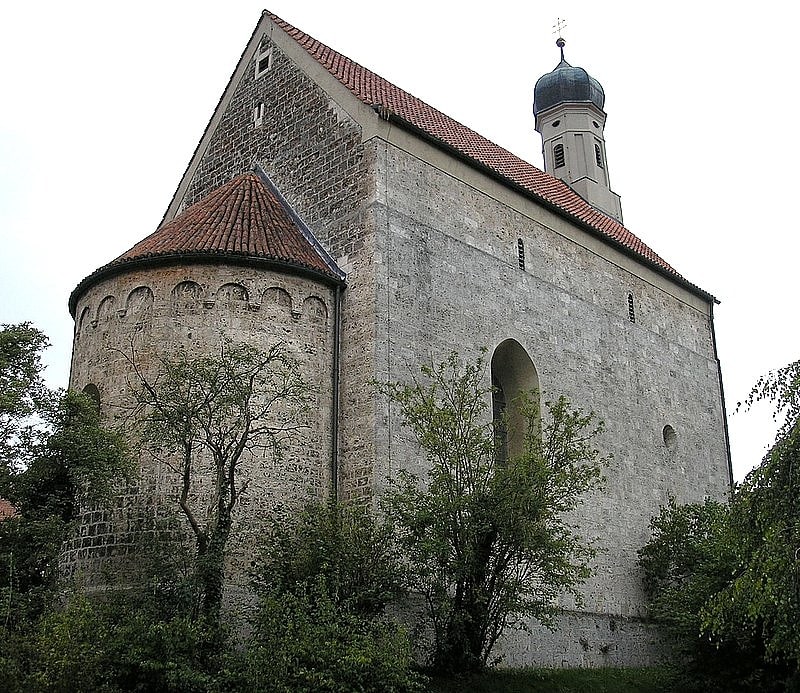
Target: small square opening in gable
(263, 62)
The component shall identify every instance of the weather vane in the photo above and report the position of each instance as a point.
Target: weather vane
(557, 27)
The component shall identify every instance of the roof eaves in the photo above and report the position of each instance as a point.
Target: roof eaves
(387, 114)
(113, 269)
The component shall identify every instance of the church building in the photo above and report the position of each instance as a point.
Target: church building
(330, 210)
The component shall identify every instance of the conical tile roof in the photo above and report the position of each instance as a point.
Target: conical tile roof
(244, 219)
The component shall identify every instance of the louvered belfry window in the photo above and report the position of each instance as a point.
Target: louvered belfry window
(558, 156)
(598, 155)
(521, 253)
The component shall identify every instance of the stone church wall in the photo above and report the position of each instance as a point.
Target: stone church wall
(152, 313)
(432, 266)
(312, 151)
(449, 279)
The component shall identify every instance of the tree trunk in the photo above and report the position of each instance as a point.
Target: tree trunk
(211, 567)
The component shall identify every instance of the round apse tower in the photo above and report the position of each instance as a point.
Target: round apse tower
(239, 265)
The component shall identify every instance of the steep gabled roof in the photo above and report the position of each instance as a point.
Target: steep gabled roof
(246, 219)
(394, 103)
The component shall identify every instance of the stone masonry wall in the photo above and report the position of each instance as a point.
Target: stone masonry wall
(147, 314)
(431, 266)
(312, 150)
(449, 279)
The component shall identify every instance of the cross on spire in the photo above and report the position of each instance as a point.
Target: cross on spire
(557, 27)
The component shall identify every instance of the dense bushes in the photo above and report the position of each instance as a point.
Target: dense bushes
(725, 578)
(324, 581)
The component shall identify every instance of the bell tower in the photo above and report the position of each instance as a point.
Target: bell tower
(568, 108)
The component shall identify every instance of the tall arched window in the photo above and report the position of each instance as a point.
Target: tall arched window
(513, 374)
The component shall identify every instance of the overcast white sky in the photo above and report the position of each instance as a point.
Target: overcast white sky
(102, 104)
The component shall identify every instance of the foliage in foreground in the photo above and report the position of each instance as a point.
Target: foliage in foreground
(486, 538)
(325, 580)
(724, 579)
(602, 680)
(203, 417)
(119, 644)
(55, 457)
(304, 641)
(342, 548)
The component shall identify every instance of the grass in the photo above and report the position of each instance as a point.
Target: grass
(560, 681)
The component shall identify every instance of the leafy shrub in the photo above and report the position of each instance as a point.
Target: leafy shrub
(116, 645)
(324, 580)
(303, 641)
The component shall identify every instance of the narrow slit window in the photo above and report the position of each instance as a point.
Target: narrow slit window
(598, 155)
(521, 253)
(558, 156)
(258, 115)
(631, 310)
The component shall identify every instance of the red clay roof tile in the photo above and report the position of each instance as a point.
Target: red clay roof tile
(375, 91)
(243, 217)
(7, 510)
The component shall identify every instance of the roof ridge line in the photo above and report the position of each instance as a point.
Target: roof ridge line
(377, 92)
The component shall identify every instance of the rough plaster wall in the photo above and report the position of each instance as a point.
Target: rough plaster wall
(313, 152)
(152, 313)
(448, 278)
(432, 266)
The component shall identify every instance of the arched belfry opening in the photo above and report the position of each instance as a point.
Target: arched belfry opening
(513, 373)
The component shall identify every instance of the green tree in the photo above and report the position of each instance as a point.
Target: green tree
(324, 580)
(57, 458)
(763, 595)
(486, 538)
(23, 395)
(724, 578)
(343, 547)
(204, 417)
(689, 558)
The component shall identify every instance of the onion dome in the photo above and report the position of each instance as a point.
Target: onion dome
(566, 84)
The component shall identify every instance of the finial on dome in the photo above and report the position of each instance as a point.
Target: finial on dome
(557, 27)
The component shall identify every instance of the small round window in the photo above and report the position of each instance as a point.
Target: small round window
(556, 123)
(670, 437)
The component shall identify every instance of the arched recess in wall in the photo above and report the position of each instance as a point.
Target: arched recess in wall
(93, 394)
(314, 309)
(232, 295)
(83, 321)
(106, 308)
(513, 374)
(139, 303)
(186, 296)
(275, 296)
